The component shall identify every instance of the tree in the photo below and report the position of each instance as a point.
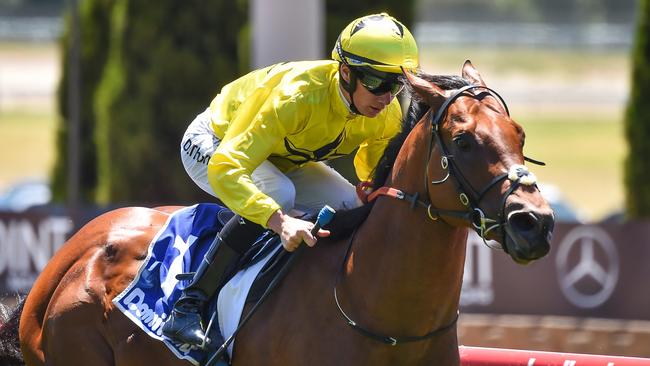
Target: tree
(163, 64)
(94, 23)
(637, 121)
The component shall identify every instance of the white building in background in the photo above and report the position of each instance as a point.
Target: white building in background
(286, 30)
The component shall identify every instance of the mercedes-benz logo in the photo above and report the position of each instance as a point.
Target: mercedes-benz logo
(588, 266)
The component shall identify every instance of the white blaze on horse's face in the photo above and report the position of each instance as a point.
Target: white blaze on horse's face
(484, 147)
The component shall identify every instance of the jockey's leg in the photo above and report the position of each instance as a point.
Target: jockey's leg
(185, 322)
(317, 184)
(198, 144)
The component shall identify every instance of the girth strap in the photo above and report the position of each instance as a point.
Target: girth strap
(393, 341)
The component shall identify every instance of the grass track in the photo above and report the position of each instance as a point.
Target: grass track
(584, 158)
(26, 144)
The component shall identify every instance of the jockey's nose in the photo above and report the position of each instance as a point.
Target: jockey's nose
(386, 98)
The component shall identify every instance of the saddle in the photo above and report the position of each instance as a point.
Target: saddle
(255, 274)
(267, 249)
(268, 242)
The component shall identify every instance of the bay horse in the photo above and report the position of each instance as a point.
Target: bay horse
(386, 295)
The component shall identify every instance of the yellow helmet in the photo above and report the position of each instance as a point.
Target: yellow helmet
(379, 41)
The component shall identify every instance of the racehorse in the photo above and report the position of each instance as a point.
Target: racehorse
(386, 295)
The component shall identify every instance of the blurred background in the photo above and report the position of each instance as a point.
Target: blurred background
(95, 95)
(563, 67)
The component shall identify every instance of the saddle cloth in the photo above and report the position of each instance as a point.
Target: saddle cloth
(178, 248)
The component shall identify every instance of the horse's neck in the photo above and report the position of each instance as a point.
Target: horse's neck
(407, 268)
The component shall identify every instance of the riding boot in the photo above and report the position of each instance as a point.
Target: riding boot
(185, 322)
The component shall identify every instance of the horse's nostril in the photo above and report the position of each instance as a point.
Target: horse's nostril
(524, 221)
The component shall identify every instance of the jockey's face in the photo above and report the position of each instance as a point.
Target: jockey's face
(369, 104)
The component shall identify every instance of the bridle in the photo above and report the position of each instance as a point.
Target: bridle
(469, 197)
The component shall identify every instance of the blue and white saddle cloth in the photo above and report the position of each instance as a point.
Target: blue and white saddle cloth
(178, 248)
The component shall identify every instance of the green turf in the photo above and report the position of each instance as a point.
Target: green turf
(584, 157)
(26, 143)
(498, 62)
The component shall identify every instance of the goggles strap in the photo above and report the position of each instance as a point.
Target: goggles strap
(350, 87)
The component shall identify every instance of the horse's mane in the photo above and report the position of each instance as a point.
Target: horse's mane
(9, 347)
(346, 221)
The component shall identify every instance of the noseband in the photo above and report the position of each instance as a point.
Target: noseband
(469, 197)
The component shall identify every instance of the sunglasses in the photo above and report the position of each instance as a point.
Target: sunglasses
(378, 85)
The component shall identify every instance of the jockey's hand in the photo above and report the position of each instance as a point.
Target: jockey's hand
(294, 231)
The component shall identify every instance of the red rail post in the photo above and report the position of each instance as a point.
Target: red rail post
(478, 356)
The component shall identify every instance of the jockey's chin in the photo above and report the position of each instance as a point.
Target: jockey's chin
(373, 111)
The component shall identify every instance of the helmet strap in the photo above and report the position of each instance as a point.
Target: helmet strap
(350, 87)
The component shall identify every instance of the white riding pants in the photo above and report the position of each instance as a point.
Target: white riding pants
(305, 189)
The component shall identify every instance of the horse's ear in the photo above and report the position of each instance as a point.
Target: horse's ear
(470, 73)
(429, 92)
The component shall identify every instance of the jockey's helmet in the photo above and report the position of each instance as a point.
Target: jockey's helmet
(378, 41)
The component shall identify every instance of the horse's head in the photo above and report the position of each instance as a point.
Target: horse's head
(475, 167)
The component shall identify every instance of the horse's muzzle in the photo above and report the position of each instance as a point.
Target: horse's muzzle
(528, 234)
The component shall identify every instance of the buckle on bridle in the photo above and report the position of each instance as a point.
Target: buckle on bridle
(480, 223)
(463, 199)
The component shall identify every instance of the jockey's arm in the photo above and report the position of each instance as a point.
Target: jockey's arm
(248, 142)
(251, 136)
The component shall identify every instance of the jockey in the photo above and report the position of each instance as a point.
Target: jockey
(260, 145)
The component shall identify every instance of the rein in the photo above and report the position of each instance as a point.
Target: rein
(412, 199)
(390, 340)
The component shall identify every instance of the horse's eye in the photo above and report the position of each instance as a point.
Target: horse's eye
(462, 142)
